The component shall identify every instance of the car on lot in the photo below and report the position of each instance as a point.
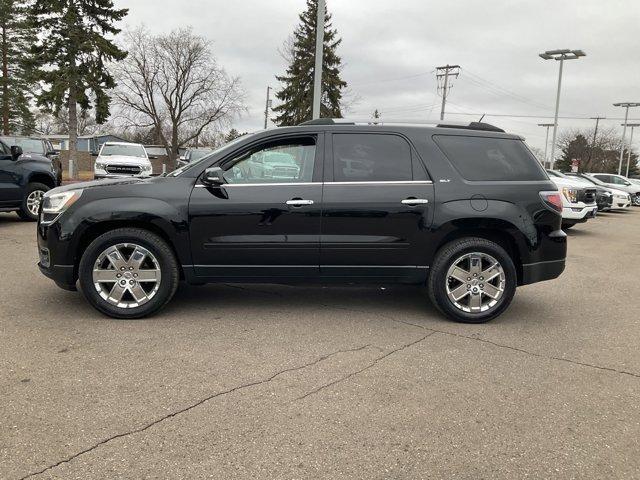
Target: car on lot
(465, 210)
(24, 179)
(193, 155)
(620, 199)
(38, 146)
(604, 196)
(578, 199)
(619, 182)
(120, 159)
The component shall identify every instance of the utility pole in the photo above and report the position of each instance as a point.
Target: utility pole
(546, 140)
(445, 72)
(561, 56)
(266, 108)
(317, 74)
(595, 136)
(624, 130)
(632, 126)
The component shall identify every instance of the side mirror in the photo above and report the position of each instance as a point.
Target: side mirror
(213, 176)
(94, 153)
(152, 157)
(16, 151)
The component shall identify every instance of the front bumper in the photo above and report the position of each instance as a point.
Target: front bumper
(55, 260)
(579, 214)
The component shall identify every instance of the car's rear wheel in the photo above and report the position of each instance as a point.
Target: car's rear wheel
(472, 280)
(128, 273)
(31, 202)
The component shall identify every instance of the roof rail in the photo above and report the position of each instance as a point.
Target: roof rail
(327, 121)
(473, 126)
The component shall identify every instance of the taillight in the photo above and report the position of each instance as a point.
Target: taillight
(552, 200)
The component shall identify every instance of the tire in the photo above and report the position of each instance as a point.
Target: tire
(567, 226)
(119, 301)
(462, 252)
(29, 210)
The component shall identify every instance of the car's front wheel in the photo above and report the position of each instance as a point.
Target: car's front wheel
(472, 280)
(128, 273)
(31, 202)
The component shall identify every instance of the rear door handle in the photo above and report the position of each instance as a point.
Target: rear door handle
(415, 201)
(298, 202)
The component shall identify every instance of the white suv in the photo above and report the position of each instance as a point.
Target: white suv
(578, 200)
(619, 182)
(118, 159)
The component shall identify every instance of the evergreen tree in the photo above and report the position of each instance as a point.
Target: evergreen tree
(578, 148)
(16, 37)
(72, 51)
(296, 94)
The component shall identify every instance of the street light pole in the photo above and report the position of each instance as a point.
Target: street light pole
(546, 141)
(561, 56)
(632, 126)
(627, 105)
(266, 108)
(317, 74)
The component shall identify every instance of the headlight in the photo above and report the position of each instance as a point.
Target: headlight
(54, 204)
(146, 168)
(570, 194)
(100, 165)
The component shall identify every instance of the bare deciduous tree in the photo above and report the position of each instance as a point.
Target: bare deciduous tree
(172, 84)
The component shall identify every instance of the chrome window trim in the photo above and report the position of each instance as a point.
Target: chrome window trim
(391, 182)
(384, 182)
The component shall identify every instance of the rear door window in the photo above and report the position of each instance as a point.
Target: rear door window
(490, 158)
(367, 157)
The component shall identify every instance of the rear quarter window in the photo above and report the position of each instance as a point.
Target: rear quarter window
(490, 158)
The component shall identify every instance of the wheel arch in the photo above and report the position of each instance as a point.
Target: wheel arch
(496, 230)
(94, 230)
(41, 177)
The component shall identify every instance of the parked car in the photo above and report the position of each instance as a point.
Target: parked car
(615, 200)
(193, 155)
(24, 179)
(578, 200)
(38, 146)
(619, 182)
(466, 210)
(604, 196)
(118, 159)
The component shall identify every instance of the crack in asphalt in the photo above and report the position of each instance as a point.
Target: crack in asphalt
(372, 364)
(192, 406)
(521, 350)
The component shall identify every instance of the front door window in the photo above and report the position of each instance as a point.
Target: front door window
(279, 162)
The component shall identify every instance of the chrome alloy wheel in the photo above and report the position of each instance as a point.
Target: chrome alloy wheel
(126, 275)
(475, 282)
(33, 202)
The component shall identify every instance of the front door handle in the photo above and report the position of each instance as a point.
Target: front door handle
(414, 201)
(298, 202)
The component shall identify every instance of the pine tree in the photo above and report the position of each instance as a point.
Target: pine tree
(72, 52)
(296, 94)
(16, 37)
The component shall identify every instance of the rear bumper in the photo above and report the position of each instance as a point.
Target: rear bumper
(540, 271)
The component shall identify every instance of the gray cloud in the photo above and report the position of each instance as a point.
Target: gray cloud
(390, 49)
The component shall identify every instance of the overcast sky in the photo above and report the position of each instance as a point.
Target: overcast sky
(390, 49)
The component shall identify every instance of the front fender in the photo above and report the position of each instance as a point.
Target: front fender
(153, 214)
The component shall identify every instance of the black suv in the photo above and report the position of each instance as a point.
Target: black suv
(24, 179)
(38, 146)
(468, 211)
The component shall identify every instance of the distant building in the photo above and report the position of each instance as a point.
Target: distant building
(86, 143)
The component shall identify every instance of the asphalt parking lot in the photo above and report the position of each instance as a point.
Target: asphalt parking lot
(263, 381)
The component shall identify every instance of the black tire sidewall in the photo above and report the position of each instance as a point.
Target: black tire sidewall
(150, 241)
(24, 210)
(438, 278)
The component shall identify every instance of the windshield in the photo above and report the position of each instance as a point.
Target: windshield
(132, 150)
(28, 145)
(189, 166)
